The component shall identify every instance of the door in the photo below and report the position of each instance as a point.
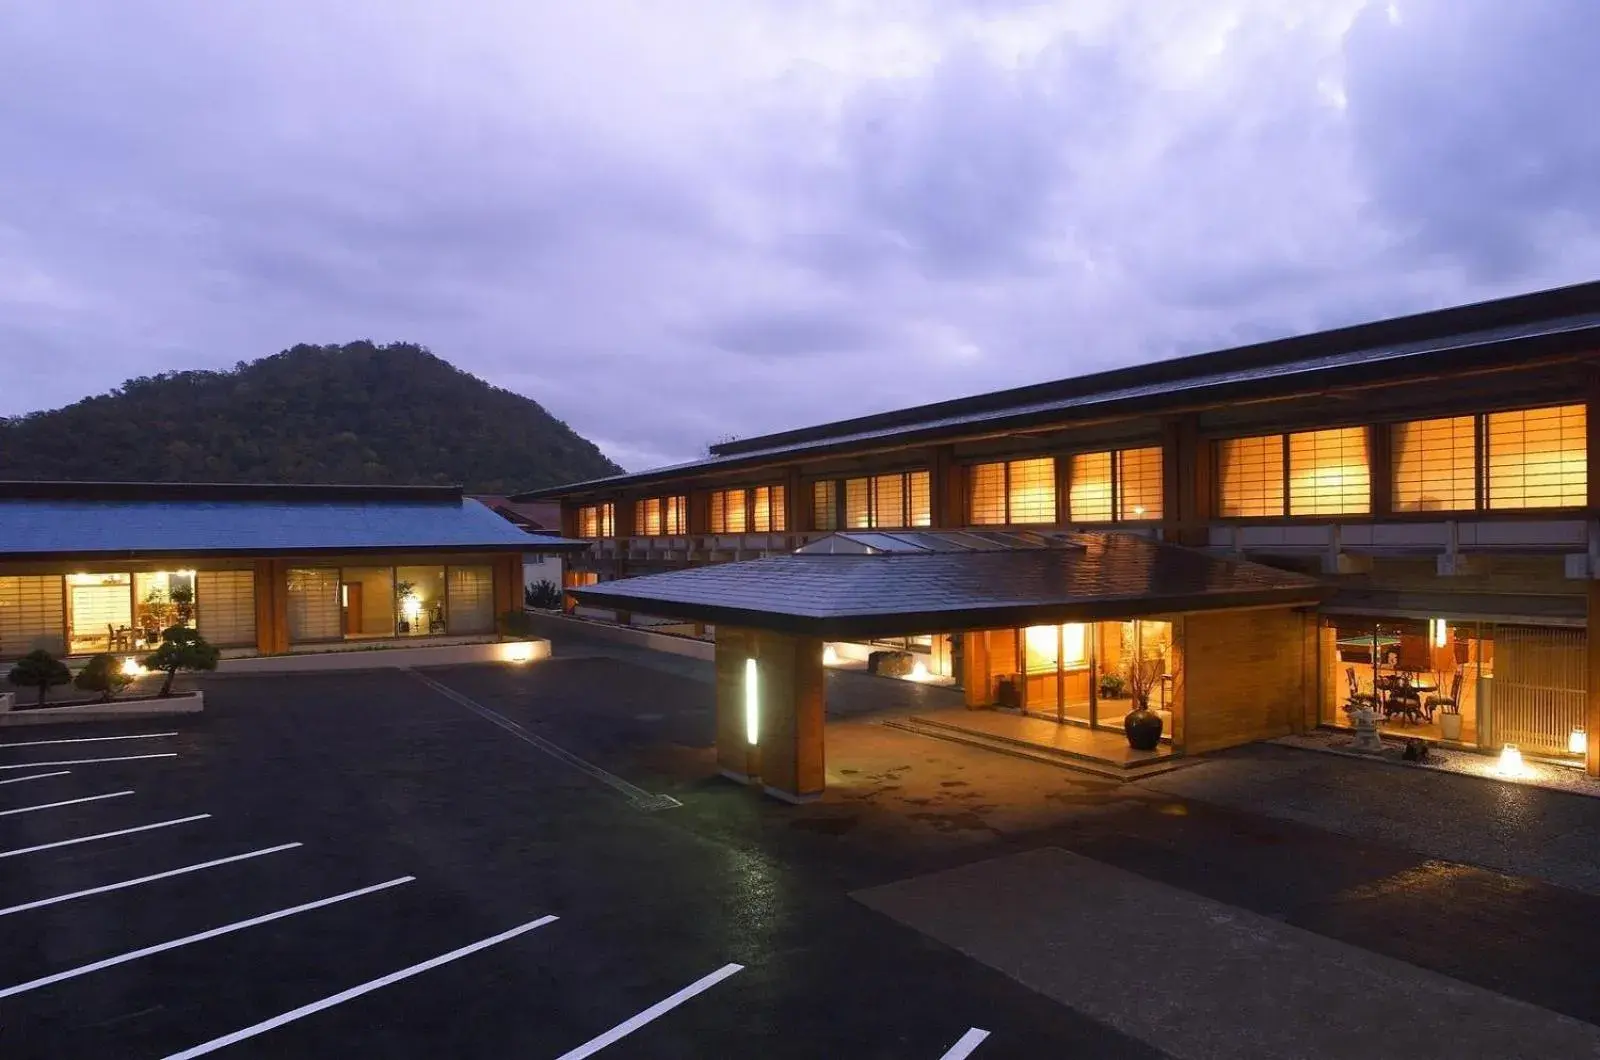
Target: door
(350, 596)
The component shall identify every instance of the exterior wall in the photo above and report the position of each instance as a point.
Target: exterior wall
(787, 755)
(270, 582)
(1241, 677)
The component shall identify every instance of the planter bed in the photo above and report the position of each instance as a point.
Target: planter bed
(143, 707)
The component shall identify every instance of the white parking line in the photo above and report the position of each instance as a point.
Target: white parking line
(622, 1030)
(640, 798)
(88, 761)
(965, 1045)
(226, 929)
(36, 776)
(102, 835)
(144, 879)
(88, 739)
(68, 802)
(356, 991)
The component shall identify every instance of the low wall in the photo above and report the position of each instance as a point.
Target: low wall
(182, 703)
(526, 649)
(553, 626)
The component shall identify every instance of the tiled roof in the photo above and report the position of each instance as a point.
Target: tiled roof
(42, 527)
(1085, 576)
(1568, 318)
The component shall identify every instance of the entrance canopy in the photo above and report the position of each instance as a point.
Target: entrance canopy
(873, 584)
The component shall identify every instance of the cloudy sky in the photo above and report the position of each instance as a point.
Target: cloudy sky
(675, 220)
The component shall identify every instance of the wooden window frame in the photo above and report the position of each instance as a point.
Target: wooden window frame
(1005, 464)
(1064, 464)
(777, 496)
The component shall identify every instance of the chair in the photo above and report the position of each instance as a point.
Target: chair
(1358, 698)
(1452, 700)
(1404, 702)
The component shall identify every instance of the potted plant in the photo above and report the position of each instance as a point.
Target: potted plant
(1449, 720)
(104, 675)
(39, 669)
(181, 649)
(1141, 724)
(1113, 686)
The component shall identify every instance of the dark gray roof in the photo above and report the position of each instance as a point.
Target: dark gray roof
(1517, 608)
(320, 522)
(1565, 319)
(1078, 576)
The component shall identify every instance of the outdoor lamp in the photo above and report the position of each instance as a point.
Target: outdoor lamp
(752, 703)
(1510, 761)
(829, 656)
(1578, 740)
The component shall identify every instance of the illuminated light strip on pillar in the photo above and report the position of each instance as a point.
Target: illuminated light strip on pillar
(752, 702)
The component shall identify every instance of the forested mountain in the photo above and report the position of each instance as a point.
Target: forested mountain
(352, 413)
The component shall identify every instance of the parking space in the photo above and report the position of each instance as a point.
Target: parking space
(361, 864)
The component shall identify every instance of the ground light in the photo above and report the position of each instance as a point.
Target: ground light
(517, 652)
(1511, 761)
(919, 671)
(1578, 741)
(131, 667)
(829, 656)
(752, 704)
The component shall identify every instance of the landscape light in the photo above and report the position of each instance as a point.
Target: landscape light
(752, 708)
(829, 656)
(1578, 740)
(919, 671)
(131, 667)
(1511, 761)
(518, 652)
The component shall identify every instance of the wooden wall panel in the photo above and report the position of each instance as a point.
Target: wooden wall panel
(736, 758)
(1244, 677)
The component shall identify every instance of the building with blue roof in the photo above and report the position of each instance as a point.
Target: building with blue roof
(90, 567)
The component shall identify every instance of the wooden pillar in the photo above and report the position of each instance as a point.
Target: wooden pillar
(1179, 703)
(507, 584)
(791, 715)
(790, 712)
(1591, 721)
(975, 669)
(272, 606)
(1185, 482)
(569, 519)
(796, 503)
(1380, 470)
(737, 758)
(946, 483)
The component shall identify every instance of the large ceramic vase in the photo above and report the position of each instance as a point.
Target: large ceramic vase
(1143, 727)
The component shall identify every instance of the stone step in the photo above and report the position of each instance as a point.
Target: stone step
(1050, 756)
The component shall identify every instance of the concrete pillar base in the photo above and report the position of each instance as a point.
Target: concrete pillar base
(790, 797)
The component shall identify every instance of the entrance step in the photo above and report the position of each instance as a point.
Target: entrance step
(1033, 752)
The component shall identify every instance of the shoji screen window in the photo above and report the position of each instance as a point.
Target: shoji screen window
(888, 502)
(1014, 492)
(1536, 458)
(660, 516)
(748, 510)
(597, 520)
(1250, 476)
(1139, 490)
(1089, 498)
(825, 505)
(1329, 473)
(1435, 465)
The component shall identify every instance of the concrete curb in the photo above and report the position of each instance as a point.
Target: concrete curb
(553, 626)
(527, 649)
(171, 706)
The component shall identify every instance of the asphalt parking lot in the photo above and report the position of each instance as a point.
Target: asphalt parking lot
(364, 865)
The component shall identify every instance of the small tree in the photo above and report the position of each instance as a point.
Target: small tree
(545, 594)
(39, 669)
(104, 675)
(181, 649)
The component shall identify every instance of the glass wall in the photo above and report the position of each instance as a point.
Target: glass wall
(1086, 673)
(100, 613)
(367, 602)
(1427, 678)
(419, 601)
(162, 599)
(314, 612)
(471, 602)
(225, 606)
(32, 614)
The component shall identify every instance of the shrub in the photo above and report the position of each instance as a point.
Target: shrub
(515, 624)
(104, 675)
(181, 649)
(39, 669)
(544, 594)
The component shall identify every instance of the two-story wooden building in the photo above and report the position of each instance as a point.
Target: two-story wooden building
(1419, 485)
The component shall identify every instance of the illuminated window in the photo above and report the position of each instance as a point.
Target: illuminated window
(1537, 458)
(888, 502)
(1014, 492)
(1139, 489)
(1435, 465)
(660, 515)
(1328, 472)
(1089, 499)
(741, 511)
(1250, 476)
(597, 520)
(1045, 648)
(858, 503)
(824, 506)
